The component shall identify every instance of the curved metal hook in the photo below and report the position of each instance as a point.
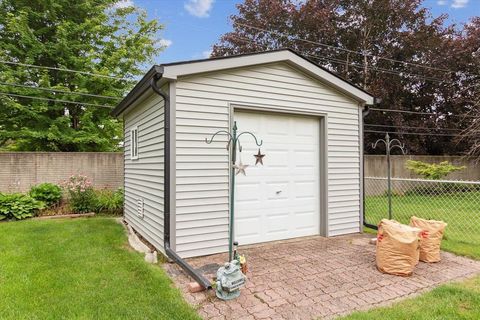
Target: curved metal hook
(218, 132)
(401, 147)
(395, 140)
(374, 145)
(254, 137)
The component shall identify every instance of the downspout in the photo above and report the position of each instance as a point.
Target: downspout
(166, 209)
(365, 113)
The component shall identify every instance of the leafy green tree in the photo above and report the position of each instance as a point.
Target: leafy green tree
(93, 36)
(363, 40)
(433, 171)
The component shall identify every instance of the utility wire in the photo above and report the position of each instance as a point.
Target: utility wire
(355, 65)
(413, 128)
(379, 69)
(420, 113)
(338, 61)
(353, 51)
(55, 100)
(326, 45)
(57, 90)
(419, 133)
(66, 70)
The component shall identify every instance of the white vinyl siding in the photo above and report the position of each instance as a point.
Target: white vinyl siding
(144, 176)
(202, 182)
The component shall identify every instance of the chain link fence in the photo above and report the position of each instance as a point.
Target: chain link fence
(455, 202)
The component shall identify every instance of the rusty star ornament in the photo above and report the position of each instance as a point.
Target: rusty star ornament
(240, 167)
(259, 157)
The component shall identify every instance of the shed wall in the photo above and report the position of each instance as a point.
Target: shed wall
(144, 177)
(202, 182)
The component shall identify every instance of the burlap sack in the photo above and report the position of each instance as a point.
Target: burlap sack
(397, 248)
(432, 238)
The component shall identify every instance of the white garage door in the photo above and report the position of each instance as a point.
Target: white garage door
(281, 199)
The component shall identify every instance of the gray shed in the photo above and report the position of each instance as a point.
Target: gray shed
(177, 186)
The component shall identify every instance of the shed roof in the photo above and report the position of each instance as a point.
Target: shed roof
(171, 71)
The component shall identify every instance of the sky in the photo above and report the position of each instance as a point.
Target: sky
(193, 26)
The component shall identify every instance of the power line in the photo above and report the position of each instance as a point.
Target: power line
(353, 51)
(419, 133)
(334, 47)
(56, 100)
(338, 61)
(344, 62)
(362, 66)
(57, 90)
(381, 70)
(374, 68)
(420, 113)
(66, 70)
(413, 128)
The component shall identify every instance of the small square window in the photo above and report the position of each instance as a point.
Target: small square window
(134, 143)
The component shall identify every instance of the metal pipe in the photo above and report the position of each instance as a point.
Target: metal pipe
(365, 113)
(389, 176)
(166, 209)
(232, 191)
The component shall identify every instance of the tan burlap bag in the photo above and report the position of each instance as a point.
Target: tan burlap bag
(432, 231)
(397, 248)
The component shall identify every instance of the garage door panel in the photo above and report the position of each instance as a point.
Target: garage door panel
(276, 127)
(280, 199)
(248, 192)
(305, 159)
(305, 189)
(301, 173)
(277, 158)
(303, 220)
(248, 229)
(277, 190)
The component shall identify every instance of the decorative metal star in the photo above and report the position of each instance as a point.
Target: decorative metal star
(240, 168)
(259, 158)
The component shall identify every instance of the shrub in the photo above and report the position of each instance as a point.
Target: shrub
(108, 201)
(81, 193)
(18, 206)
(49, 193)
(432, 171)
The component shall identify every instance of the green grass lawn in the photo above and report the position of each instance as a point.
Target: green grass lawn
(460, 210)
(453, 301)
(80, 269)
(83, 269)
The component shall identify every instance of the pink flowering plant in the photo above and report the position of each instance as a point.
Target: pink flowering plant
(81, 194)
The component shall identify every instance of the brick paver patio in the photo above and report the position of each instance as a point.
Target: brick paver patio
(315, 278)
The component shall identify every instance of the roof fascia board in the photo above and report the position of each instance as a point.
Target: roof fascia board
(178, 70)
(333, 80)
(140, 88)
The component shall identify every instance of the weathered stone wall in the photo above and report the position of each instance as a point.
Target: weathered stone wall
(20, 170)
